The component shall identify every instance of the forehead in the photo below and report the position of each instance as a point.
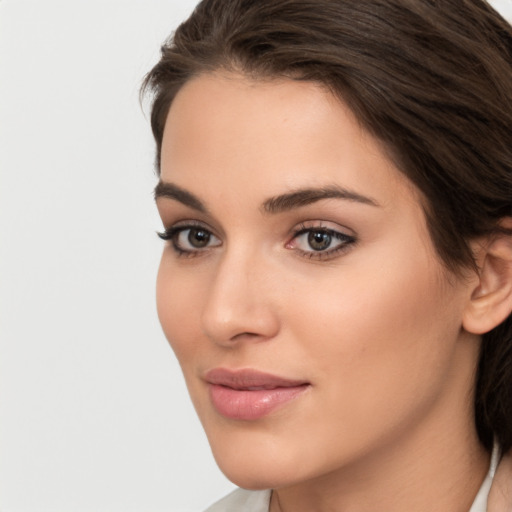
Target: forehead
(271, 134)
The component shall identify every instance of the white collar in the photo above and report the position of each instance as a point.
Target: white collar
(480, 503)
(242, 500)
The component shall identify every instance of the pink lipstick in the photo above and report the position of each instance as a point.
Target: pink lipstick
(250, 394)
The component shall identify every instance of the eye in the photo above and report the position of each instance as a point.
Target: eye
(320, 242)
(190, 239)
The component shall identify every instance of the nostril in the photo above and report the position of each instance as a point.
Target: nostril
(246, 336)
(242, 328)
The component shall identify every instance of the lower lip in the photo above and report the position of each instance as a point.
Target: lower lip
(251, 405)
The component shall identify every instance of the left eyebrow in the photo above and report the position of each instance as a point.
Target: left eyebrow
(307, 196)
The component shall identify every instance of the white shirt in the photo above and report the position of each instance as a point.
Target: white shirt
(480, 503)
(242, 500)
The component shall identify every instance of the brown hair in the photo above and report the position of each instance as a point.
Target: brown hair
(432, 79)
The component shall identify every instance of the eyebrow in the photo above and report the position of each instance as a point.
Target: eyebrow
(277, 204)
(304, 197)
(172, 191)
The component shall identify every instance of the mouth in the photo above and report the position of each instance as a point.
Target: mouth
(249, 394)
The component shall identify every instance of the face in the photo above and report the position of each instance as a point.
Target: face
(299, 288)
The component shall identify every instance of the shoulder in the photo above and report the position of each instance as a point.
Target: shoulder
(241, 500)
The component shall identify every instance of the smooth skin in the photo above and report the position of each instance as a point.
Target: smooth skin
(345, 292)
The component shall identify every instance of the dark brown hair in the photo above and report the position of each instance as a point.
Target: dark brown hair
(432, 79)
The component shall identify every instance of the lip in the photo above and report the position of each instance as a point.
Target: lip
(250, 394)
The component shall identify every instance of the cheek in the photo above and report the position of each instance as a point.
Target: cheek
(379, 341)
(178, 308)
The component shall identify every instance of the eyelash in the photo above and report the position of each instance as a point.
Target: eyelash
(171, 235)
(346, 241)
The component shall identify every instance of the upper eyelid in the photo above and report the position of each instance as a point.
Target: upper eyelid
(335, 232)
(311, 225)
(301, 227)
(190, 223)
(320, 228)
(184, 222)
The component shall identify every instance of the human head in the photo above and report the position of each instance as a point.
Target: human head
(431, 80)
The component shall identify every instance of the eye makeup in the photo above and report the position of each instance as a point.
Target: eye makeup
(313, 240)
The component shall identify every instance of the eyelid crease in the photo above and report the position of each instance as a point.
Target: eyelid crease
(318, 224)
(180, 226)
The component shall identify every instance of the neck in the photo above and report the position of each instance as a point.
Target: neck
(445, 477)
(397, 484)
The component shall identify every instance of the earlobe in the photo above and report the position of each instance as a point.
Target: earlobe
(491, 299)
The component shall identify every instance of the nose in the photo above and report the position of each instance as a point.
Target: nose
(240, 304)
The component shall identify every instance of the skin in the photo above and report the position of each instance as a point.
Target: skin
(375, 327)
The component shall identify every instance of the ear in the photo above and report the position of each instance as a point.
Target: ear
(491, 299)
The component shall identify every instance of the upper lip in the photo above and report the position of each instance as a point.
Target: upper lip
(249, 379)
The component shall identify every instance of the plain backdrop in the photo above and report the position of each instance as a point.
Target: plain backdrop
(94, 414)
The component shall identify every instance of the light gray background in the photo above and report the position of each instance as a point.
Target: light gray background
(94, 415)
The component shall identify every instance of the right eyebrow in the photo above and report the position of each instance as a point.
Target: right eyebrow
(172, 191)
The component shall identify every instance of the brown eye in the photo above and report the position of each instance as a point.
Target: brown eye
(319, 240)
(192, 239)
(198, 238)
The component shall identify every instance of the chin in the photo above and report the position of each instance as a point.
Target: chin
(250, 480)
(258, 463)
(257, 477)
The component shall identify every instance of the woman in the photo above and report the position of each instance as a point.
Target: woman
(336, 191)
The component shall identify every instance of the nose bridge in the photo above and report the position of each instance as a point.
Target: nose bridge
(239, 303)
